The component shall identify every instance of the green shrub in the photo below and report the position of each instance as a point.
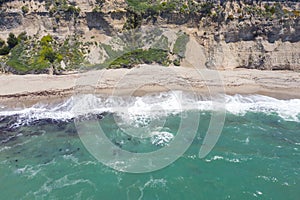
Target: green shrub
(15, 59)
(2, 42)
(206, 8)
(138, 5)
(47, 5)
(180, 45)
(12, 41)
(32, 56)
(25, 9)
(96, 9)
(176, 62)
(57, 17)
(46, 40)
(100, 3)
(48, 54)
(22, 36)
(230, 17)
(162, 43)
(73, 10)
(140, 56)
(133, 21)
(4, 50)
(52, 11)
(70, 53)
(296, 13)
(270, 9)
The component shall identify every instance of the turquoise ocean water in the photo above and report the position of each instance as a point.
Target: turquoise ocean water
(256, 157)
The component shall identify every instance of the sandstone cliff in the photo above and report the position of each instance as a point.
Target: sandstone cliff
(224, 35)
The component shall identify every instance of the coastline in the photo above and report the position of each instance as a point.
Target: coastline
(26, 90)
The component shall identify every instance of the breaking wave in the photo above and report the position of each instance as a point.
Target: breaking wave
(141, 108)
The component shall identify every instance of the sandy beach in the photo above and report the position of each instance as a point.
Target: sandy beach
(29, 89)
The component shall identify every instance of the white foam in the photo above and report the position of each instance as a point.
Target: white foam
(71, 158)
(238, 159)
(4, 148)
(28, 171)
(161, 138)
(247, 140)
(266, 178)
(215, 158)
(151, 106)
(62, 182)
(286, 109)
(155, 183)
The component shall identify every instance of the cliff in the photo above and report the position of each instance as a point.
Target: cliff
(224, 34)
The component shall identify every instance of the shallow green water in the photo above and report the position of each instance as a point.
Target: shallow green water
(256, 157)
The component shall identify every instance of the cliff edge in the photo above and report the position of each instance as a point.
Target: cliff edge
(64, 35)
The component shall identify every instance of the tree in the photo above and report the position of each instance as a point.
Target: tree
(12, 41)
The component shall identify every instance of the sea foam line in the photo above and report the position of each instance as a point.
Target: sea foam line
(157, 105)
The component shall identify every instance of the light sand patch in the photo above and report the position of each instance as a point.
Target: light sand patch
(150, 79)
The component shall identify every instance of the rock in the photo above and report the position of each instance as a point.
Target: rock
(10, 20)
(63, 65)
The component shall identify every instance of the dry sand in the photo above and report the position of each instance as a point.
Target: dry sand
(29, 89)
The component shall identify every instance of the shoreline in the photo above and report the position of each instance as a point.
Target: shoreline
(26, 90)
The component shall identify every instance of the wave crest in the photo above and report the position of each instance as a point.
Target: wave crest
(162, 104)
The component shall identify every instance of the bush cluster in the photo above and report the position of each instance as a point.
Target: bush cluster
(12, 41)
(140, 56)
(31, 56)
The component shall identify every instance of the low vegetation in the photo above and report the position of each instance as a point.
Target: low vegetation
(62, 8)
(140, 56)
(180, 44)
(143, 9)
(25, 9)
(11, 42)
(32, 56)
(143, 46)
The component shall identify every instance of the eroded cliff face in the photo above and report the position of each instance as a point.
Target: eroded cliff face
(253, 44)
(258, 54)
(233, 38)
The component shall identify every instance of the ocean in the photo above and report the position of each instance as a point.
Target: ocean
(48, 152)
